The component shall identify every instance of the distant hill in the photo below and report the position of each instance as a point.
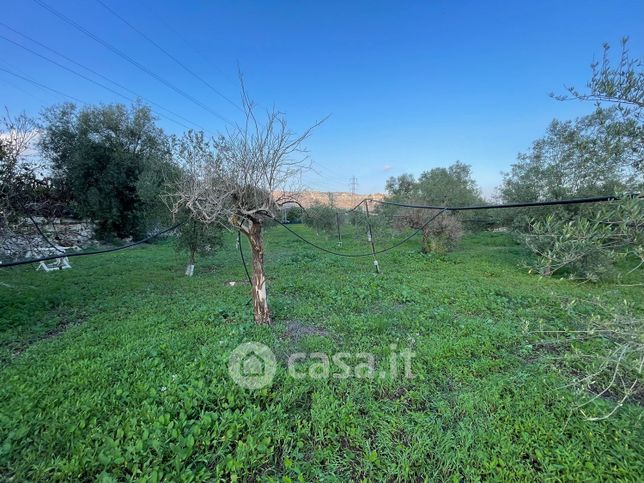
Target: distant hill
(342, 200)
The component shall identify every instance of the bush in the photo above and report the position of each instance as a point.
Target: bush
(294, 215)
(442, 234)
(322, 218)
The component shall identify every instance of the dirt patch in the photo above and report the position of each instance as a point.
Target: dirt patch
(295, 330)
(63, 325)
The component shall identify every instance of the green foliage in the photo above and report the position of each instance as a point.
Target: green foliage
(606, 357)
(22, 184)
(134, 385)
(584, 157)
(197, 238)
(294, 215)
(600, 153)
(442, 234)
(620, 84)
(320, 217)
(451, 186)
(588, 247)
(110, 159)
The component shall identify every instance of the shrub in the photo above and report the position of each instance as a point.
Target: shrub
(322, 218)
(294, 215)
(442, 234)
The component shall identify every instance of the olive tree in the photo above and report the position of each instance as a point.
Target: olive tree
(451, 186)
(197, 238)
(239, 179)
(108, 159)
(320, 217)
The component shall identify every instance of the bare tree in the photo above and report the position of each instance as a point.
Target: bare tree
(18, 180)
(17, 136)
(239, 179)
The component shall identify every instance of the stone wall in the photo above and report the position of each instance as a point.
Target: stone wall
(23, 239)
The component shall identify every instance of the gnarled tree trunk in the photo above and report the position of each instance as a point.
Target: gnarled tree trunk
(426, 240)
(260, 298)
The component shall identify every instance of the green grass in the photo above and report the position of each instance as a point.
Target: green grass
(117, 370)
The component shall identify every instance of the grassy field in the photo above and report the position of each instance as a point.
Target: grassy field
(117, 370)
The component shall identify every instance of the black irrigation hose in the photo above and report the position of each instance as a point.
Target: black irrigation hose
(97, 252)
(243, 259)
(352, 255)
(443, 209)
(357, 206)
(357, 255)
(241, 253)
(40, 232)
(573, 201)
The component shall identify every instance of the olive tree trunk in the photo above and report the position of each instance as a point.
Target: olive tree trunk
(190, 268)
(426, 240)
(258, 280)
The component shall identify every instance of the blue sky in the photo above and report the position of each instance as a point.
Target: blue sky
(408, 85)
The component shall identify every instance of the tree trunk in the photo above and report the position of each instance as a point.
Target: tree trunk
(190, 269)
(425, 248)
(260, 299)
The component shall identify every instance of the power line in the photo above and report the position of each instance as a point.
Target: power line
(168, 54)
(98, 74)
(83, 76)
(129, 59)
(168, 26)
(24, 91)
(43, 86)
(353, 183)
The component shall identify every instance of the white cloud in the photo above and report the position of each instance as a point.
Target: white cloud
(387, 167)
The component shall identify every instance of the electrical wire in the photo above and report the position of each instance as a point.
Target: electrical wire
(98, 74)
(167, 54)
(20, 88)
(243, 259)
(43, 86)
(83, 76)
(153, 11)
(443, 209)
(42, 234)
(130, 60)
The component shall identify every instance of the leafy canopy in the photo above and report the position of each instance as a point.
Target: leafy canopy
(110, 159)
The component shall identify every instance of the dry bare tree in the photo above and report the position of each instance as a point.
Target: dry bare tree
(18, 181)
(240, 179)
(17, 137)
